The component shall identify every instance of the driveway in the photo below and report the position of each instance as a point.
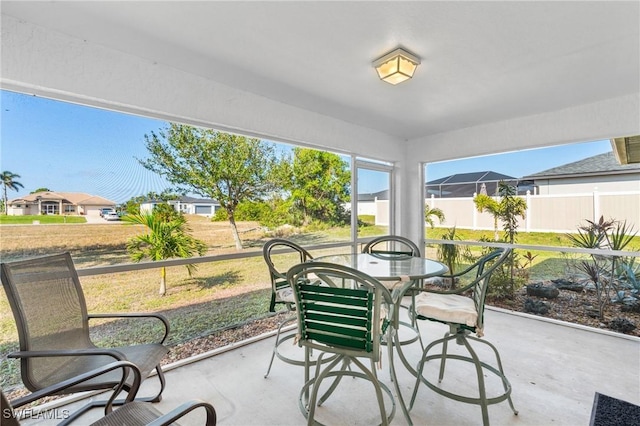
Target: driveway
(100, 221)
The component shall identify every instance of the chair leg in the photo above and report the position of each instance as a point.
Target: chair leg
(278, 341)
(424, 359)
(272, 303)
(505, 383)
(102, 403)
(445, 342)
(336, 382)
(163, 383)
(480, 377)
(481, 367)
(309, 410)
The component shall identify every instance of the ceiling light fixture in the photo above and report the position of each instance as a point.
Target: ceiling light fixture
(397, 66)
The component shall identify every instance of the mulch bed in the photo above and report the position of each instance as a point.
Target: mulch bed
(574, 307)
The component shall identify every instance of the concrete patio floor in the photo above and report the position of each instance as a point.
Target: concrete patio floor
(554, 368)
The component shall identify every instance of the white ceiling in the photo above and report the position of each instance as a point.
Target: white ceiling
(482, 62)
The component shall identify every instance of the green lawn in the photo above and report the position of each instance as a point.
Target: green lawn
(44, 219)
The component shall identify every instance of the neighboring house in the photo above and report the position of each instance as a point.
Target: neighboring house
(70, 203)
(469, 184)
(601, 172)
(187, 205)
(367, 202)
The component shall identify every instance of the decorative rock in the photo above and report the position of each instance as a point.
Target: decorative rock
(437, 281)
(542, 290)
(563, 284)
(622, 325)
(630, 306)
(537, 307)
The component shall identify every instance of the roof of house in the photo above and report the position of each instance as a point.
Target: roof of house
(473, 177)
(468, 184)
(193, 200)
(592, 166)
(76, 198)
(372, 196)
(185, 199)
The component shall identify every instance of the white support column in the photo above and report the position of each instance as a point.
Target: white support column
(409, 200)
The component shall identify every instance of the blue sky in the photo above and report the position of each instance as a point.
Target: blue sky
(72, 148)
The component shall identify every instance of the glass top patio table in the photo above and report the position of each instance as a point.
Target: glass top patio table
(405, 271)
(388, 267)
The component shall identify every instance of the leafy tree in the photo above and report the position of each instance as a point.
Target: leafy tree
(40, 190)
(165, 240)
(9, 182)
(430, 213)
(226, 167)
(318, 182)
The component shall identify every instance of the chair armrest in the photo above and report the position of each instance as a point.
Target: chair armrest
(461, 273)
(160, 317)
(119, 356)
(452, 291)
(184, 409)
(50, 390)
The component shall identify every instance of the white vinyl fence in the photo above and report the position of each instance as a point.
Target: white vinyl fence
(545, 213)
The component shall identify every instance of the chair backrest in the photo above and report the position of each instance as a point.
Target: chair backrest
(49, 309)
(278, 257)
(340, 310)
(392, 245)
(486, 266)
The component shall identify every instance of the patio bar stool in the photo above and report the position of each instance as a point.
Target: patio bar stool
(463, 315)
(343, 315)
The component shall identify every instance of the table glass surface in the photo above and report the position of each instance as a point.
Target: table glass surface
(385, 267)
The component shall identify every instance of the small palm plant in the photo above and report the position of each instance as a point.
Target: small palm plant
(166, 239)
(431, 213)
(485, 203)
(452, 254)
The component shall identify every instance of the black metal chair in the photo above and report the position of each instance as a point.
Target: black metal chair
(131, 413)
(464, 314)
(50, 311)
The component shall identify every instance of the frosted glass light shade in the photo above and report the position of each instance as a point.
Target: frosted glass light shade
(397, 66)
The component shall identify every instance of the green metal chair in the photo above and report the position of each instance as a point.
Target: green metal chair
(393, 246)
(464, 314)
(279, 255)
(131, 413)
(344, 312)
(51, 316)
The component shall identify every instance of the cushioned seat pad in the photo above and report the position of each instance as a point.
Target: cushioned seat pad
(447, 308)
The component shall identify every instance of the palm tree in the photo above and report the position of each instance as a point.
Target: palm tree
(430, 213)
(166, 240)
(485, 203)
(8, 181)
